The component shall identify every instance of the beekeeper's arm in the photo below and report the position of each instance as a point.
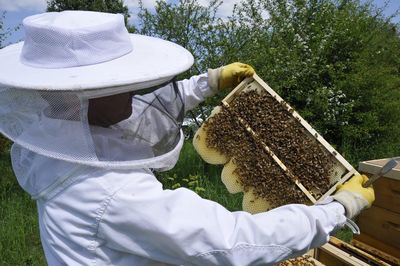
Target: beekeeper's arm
(179, 227)
(197, 88)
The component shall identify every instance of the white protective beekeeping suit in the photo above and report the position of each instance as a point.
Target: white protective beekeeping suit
(98, 201)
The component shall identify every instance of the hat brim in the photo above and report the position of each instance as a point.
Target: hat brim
(152, 61)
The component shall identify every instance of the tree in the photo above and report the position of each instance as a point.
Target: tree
(335, 61)
(186, 23)
(109, 6)
(192, 26)
(5, 32)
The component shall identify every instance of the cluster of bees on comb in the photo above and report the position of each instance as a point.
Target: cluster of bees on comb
(299, 261)
(225, 138)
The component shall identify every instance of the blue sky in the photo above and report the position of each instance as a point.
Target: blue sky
(19, 9)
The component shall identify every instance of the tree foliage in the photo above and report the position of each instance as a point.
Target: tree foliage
(337, 62)
(5, 32)
(186, 23)
(109, 6)
(195, 27)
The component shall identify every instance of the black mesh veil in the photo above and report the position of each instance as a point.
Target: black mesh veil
(55, 124)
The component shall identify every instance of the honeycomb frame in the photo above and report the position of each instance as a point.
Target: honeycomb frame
(256, 83)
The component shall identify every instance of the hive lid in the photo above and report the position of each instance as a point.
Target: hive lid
(374, 166)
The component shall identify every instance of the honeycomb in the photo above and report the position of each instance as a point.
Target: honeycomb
(299, 261)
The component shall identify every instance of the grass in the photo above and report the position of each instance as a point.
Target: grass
(19, 235)
(193, 173)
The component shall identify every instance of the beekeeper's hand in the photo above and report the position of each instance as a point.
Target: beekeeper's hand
(353, 196)
(229, 76)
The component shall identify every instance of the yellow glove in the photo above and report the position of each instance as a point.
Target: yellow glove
(229, 76)
(353, 196)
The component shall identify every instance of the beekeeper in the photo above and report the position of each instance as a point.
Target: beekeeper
(92, 111)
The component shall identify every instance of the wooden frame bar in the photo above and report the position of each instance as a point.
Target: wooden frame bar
(342, 255)
(361, 253)
(376, 252)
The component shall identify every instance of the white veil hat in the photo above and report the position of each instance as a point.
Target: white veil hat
(84, 50)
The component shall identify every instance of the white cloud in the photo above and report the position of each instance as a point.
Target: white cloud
(17, 5)
(40, 5)
(134, 4)
(226, 8)
(223, 11)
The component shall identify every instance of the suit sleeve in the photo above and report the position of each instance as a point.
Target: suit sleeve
(179, 227)
(195, 90)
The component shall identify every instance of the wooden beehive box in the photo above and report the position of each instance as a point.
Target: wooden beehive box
(340, 170)
(379, 241)
(380, 225)
(339, 253)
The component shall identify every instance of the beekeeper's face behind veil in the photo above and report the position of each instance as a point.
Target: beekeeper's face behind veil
(81, 89)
